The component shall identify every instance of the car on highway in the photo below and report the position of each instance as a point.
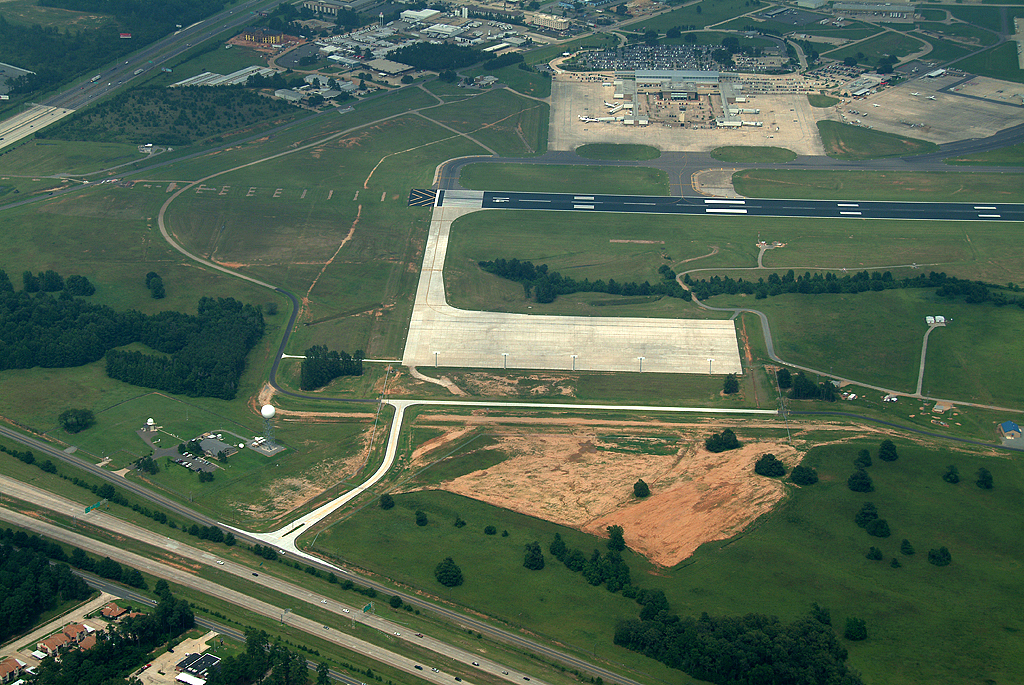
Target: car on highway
(504, 673)
(476, 663)
(418, 667)
(435, 670)
(398, 634)
(419, 634)
(345, 610)
(458, 679)
(327, 627)
(323, 601)
(220, 562)
(256, 574)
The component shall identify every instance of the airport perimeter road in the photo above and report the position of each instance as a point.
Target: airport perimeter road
(705, 206)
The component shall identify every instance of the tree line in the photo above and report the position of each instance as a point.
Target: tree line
(321, 366)
(950, 287)
(263, 660)
(434, 57)
(545, 286)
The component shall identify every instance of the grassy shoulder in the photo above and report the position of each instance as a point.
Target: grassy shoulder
(845, 141)
(879, 185)
(752, 155)
(621, 152)
(541, 178)
(818, 100)
(1007, 156)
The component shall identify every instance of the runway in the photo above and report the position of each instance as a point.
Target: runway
(706, 206)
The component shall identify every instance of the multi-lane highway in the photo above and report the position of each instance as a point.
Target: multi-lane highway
(706, 206)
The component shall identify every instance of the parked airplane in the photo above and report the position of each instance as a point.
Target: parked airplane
(915, 94)
(931, 97)
(587, 119)
(609, 104)
(874, 105)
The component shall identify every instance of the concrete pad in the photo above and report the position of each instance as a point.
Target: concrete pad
(495, 340)
(28, 122)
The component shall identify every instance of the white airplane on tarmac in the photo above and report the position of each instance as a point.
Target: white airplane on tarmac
(915, 94)
(931, 97)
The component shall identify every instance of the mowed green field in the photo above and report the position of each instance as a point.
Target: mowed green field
(1007, 156)
(698, 14)
(883, 185)
(925, 623)
(845, 141)
(873, 49)
(507, 123)
(818, 100)
(753, 155)
(66, 157)
(617, 151)
(999, 62)
(565, 179)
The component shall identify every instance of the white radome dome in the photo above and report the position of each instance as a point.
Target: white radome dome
(268, 411)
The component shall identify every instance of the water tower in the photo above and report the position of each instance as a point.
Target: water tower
(268, 413)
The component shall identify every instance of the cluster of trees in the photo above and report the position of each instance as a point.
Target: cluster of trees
(803, 475)
(263, 660)
(609, 569)
(868, 519)
(545, 286)
(76, 420)
(148, 465)
(508, 59)
(972, 292)
(720, 442)
(321, 366)
(127, 645)
(31, 586)
(806, 389)
(730, 385)
(534, 557)
(155, 285)
(206, 352)
(170, 116)
(49, 281)
(438, 57)
(751, 649)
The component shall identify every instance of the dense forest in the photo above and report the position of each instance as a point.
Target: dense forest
(545, 285)
(30, 587)
(202, 355)
(260, 658)
(35, 47)
(170, 116)
(433, 57)
(321, 366)
(751, 649)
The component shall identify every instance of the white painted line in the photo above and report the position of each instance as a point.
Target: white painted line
(640, 203)
(850, 213)
(583, 206)
(582, 197)
(725, 211)
(852, 205)
(725, 202)
(976, 207)
(535, 200)
(988, 216)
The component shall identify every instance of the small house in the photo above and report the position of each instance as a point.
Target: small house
(1009, 430)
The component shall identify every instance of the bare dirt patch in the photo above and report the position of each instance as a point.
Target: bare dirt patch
(583, 477)
(529, 385)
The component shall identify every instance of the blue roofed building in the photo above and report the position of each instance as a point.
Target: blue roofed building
(1010, 430)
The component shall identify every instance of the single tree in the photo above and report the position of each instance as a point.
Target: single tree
(229, 539)
(459, 522)
(323, 673)
(558, 547)
(641, 489)
(863, 459)
(866, 515)
(534, 558)
(878, 528)
(490, 530)
(906, 548)
(984, 479)
(939, 557)
(821, 614)
(769, 466)
(860, 481)
(731, 384)
(395, 602)
(448, 573)
(874, 554)
(895, 563)
(856, 629)
(952, 475)
(421, 518)
(387, 501)
(803, 475)
(887, 451)
(76, 420)
(615, 540)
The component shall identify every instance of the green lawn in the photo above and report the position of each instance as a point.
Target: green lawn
(944, 50)
(817, 100)
(986, 17)
(932, 14)
(1007, 156)
(753, 155)
(46, 157)
(808, 550)
(617, 151)
(543, 178)
(548, 53)
(845, 141)
(699, 14)
(887, 43)
(962, 31)
(532, 83)
(509, 124)
(999, 62)
(30, 12)
(879, 185)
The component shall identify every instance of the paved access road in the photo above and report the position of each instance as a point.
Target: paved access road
(705, 206)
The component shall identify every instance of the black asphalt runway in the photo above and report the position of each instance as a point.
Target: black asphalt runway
(705, 206)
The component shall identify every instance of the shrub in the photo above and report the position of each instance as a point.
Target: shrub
(448, 573)
(863, 459)
(939, 557)
(395, 602)
(874, 554)
(866, 515)
(906, 548)
(387, 502)
(887, 451)
(76, 420)
(952, 475)
(720, 442)
(421, 518)
(860, 481)
(785, 379)
(856, 629)
(803, 475)
(879, 528)
(895, 563)
(769, 466)
(490, 530)
(534, 558)
(984, 479)
(731, 384)
(641, 489)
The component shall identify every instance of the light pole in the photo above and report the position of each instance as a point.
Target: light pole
(709, 365)
(641, 360)
(435, 358)
(573, 361)
(504, 360)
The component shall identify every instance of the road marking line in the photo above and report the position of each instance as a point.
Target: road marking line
(976, 207)
(640, 203)
(583, 206)
(851, 213)
(988, 216)
(852, 205)
(588, 197)
(725, 211)
(535, 200)
(725, 202)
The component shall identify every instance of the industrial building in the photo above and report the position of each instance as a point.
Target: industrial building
(811, 4)
(416, 16)
(548, 21)
(386, 66)
(235, 78)
(263, 35)
(333, 6)
(667, 81)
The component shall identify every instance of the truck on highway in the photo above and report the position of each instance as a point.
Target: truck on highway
(137, 72)
(95, 78)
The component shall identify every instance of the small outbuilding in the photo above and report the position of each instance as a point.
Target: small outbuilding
(1009, 430)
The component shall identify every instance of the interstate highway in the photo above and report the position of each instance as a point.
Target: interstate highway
(819, 209)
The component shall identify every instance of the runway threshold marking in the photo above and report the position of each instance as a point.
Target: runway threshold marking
(422, 198)
(588, 197)
(989, 216)
(850, 213)
(977, 207)
(852, 205)
(725, 202)
(723, 210)
(583, 206)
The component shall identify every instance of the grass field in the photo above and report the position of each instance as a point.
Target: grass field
(29, 12)
(1007, 156)
(888, 43)
(844, 141)
(879, 185)
(511, 125)
(700, 14)
(624, 152)
(999, 62)
(971, 34)
(548, 53)
(66, 157)
(532, 83)
(817, 100)
(564, 179)
(753, 155)
(986, 17)
(944, 50)
(808, 550)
